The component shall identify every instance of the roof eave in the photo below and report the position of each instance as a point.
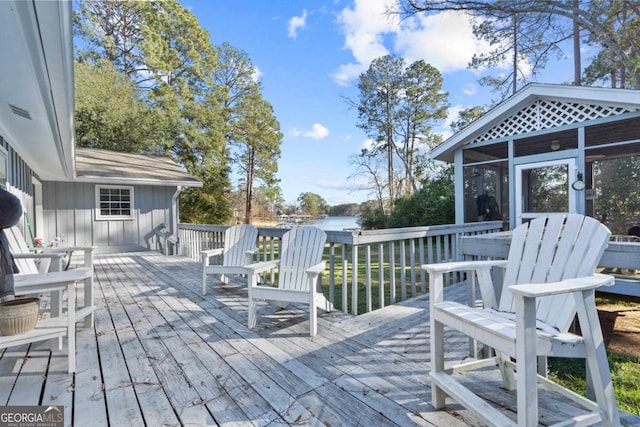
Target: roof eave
(528, 94)
(133, 181)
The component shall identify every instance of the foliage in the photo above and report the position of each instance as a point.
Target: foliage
(526, 41)
(347, 209)
(397, 106)
(372, 218)
(625, 371)
(176, 103)
(466, 117)
(312, 204)
(251, 129)
(610, 26)
(109, 112)
(432, 204)
(618, 192)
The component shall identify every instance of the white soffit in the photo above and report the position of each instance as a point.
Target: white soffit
(36, 84)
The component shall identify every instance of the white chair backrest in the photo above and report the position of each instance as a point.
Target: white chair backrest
(18, 245)
(237, 241)
(300, 248)
(550, 249)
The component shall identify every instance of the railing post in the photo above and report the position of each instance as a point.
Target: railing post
(354, 279)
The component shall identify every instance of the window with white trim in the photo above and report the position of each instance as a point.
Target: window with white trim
(114, 202)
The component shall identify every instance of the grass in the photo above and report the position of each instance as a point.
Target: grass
(625, 373)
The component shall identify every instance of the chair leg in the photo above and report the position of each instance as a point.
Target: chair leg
(508, 375)
(596, 357)
(438, 395)
(313, 311)
(252, 305)
(204, 281)
(526, 367)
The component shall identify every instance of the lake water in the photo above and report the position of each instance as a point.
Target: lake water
(338, 223)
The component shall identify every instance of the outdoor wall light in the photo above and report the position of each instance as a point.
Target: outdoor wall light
(578, 185)
(555, 145)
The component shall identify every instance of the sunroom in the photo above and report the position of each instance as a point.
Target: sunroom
(550, 148)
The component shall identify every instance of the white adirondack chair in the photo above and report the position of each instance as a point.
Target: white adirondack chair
(549, 276)
(238, 251)
(299, 269)
(31, 282)
(51, 260)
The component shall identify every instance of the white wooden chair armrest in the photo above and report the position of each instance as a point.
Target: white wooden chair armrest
(448, 267)
(259, 267)
(316, 269)
(48, 261)
(31, 283)
(51, 256)
(211, 252)
(565, 286)
(482, 269)
(56, 249)
(252, 251)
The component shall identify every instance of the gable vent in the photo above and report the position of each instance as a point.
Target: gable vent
(20, 112)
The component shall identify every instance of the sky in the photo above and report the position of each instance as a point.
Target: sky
(309, 55)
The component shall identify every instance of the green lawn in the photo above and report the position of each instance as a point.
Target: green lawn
(625, 372)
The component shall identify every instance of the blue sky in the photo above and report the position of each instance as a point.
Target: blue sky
(309, 55)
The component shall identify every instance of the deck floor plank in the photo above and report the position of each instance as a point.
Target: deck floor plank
(162, 354)
(130, 326)
(211, 391)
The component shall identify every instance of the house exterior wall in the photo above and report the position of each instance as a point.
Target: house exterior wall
(69, 212)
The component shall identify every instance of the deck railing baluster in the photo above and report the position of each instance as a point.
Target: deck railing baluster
(381, 282)
(441, 245)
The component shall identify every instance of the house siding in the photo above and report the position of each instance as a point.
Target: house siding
(69, 213)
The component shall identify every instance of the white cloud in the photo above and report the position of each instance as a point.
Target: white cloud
(317, 132)
(364, 28)
(257, 74)
(296, 23)
(470, 89)
(444, 40)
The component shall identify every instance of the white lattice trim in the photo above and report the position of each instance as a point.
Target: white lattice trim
(545, 114)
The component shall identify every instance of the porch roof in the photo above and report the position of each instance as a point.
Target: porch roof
(36, 95)
(111, 167)
(541, 106)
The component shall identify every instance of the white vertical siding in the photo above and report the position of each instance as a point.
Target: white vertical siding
(69, 212)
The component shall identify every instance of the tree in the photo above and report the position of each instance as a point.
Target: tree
(379, 89)
(466, 117)
(161, 47)
(110, 30)
(525, 40)
(423, 105)
(257, 134)
(109, 112)
(609, 24)
(433, 204)
(251, 128)
(312, 204)
(397, 107)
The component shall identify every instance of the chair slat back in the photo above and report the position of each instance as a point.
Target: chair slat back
(237, 241)
(550, 249)
(300, 248)
(18, 245)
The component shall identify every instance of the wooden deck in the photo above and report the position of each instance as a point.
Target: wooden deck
(161, 354)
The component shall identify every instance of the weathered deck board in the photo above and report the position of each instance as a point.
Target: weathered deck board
(162, 354)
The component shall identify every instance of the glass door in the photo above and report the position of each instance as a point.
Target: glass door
(543, 188)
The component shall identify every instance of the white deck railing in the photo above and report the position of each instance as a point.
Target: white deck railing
(360, 262)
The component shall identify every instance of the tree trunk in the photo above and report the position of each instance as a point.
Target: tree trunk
(577, 60)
